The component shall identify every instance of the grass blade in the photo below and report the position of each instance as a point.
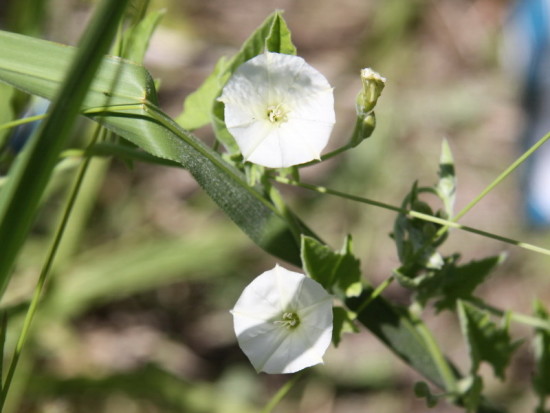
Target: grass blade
(29, 176)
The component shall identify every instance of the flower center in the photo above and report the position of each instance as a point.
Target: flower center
(276, 113)
(289, 320)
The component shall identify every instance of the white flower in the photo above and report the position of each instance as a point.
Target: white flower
(283, 321)
(279, 109)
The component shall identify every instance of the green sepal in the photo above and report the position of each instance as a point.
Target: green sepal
(486, 341)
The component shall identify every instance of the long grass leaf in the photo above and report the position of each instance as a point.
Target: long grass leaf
(29, 176)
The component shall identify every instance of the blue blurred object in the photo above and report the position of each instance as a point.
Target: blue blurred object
(527, 48)
(22, 133)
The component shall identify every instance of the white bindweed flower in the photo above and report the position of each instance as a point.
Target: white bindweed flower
(279, 109)
(283, 321)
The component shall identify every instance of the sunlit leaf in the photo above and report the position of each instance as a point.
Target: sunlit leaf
(137, 37)
(333, 270)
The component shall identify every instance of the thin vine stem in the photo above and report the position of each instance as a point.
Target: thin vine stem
(326, 156)
(282, 392)
(516, 317)
(415, 214)
(375, 294)
(22, 121)
(502, 176)
(45, 272)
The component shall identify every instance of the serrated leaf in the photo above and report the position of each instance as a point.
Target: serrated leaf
(486, 341)
(470, 389)
(343, 322)
(446, 187)
(333, 270)
(541, 379)
(454, 282)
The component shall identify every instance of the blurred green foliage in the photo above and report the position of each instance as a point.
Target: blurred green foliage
(136, 316)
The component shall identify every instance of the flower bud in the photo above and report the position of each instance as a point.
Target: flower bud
(373, 84)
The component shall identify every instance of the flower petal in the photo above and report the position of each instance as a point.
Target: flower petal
(270, 344)
(301, 93)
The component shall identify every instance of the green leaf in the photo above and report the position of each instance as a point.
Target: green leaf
(136, 38)
(470, 390)
(422, 390)
(454, 282)
(39, 67)
(333, 270)
(486, 341)
(459, 283)
(6, 111)
(415, 238)
(405, 336)
(446, 187)
(541, 379)
(343, 322)
(29, 176)
(197, 108)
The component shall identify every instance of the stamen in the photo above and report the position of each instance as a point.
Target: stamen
(289, 320)
(276, 113)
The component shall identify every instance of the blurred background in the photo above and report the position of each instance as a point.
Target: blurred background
(137, 318)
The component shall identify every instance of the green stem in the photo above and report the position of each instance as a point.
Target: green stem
(415, 214)
(439, 359)
(326, 156)
(272, 403)
(44, 274)
(502, 176)
(379, 290)
(517, 317)
(14, 123)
